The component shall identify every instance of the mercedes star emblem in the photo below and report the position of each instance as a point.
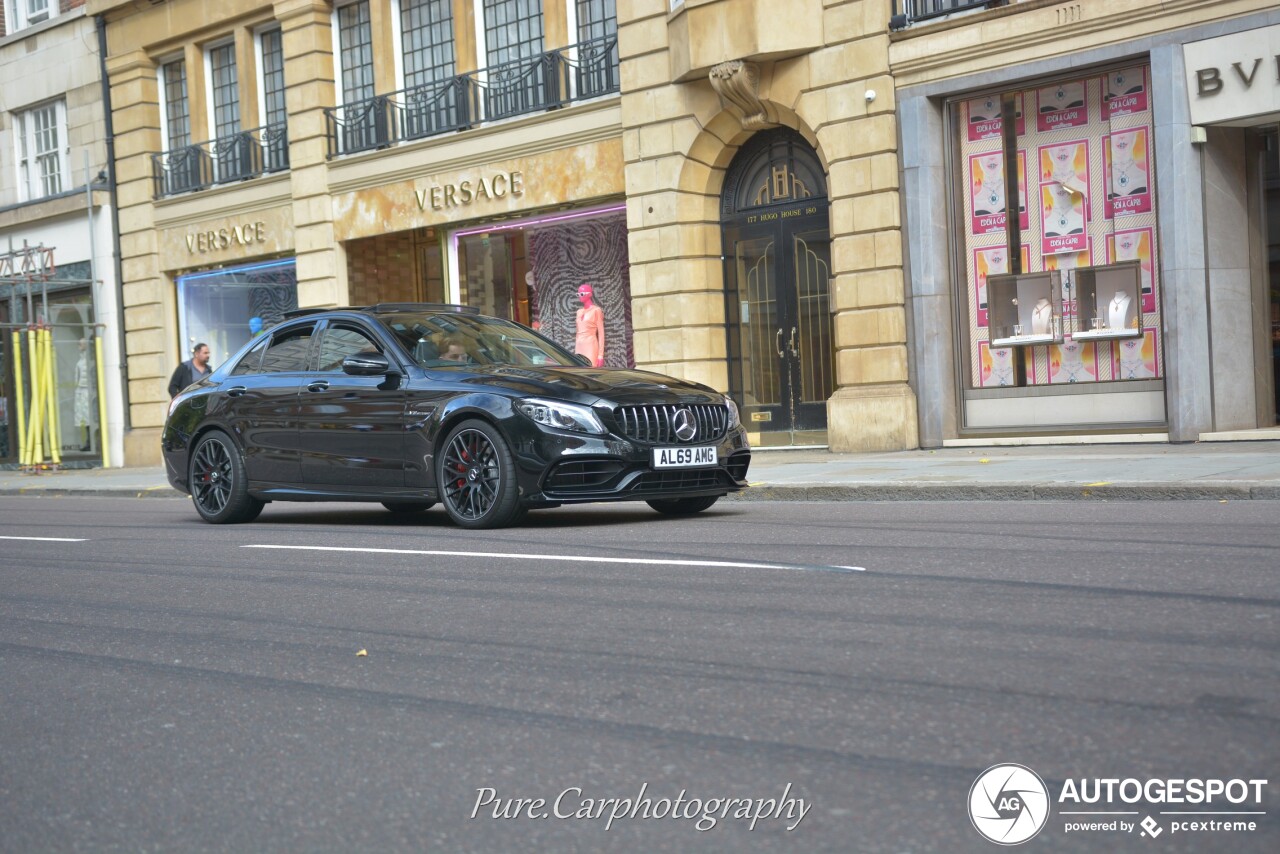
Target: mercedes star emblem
(685, 427)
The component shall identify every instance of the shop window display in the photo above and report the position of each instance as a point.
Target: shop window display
(225, 308)
(1086, 215)
(532, 273)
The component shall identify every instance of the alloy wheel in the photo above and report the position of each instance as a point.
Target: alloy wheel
(473, 474)
(212, 476)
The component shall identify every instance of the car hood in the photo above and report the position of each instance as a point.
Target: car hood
(596, 385)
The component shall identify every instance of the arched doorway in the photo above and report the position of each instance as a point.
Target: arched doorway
(777, 270)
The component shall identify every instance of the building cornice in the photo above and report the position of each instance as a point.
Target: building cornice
(260, 194)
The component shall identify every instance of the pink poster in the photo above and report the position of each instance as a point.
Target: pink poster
(986, 175)
(1126, 164)
(1124, 93)
(1073, 362)
(1061, 106)
(1138, 357)
(1135, 245)
(991, 261)
(1064, 219)
(995, 367)
(1066, 163)
(984, 119)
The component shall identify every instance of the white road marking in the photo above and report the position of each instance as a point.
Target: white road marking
(50, 539)
(722, 564)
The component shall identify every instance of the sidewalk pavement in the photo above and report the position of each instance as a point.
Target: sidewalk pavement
(1158, 471)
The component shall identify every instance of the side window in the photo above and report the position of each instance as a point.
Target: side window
(341, 341)
(288, 351)
(252, 361)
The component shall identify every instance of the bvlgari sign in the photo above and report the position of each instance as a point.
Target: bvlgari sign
(1234, 79)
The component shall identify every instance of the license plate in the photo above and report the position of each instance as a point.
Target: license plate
(681, 458)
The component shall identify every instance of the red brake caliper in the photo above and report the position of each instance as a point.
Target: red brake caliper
(462, 469)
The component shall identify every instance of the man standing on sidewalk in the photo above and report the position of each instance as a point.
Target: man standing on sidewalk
(194, 369)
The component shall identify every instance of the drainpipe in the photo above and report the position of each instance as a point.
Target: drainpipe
(109, 126)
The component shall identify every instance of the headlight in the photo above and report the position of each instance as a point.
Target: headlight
(173, 404)
(733, 411)
(561, 415)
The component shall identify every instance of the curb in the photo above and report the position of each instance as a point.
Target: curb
(1009, 492)
(864, 492)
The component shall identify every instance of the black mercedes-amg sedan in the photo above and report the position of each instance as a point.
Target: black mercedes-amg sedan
(413, 404)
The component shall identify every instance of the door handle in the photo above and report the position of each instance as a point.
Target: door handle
(236, 391)
(318, 385)
(777, 343)
(793, 343)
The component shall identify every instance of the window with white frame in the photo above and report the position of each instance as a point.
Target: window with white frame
(20, 14)
(597, 19)
(512, 30)
(43, 154)
(426, 34)
(274, 113)
(224, 88)
(177, 109)
(355, 51)
(273, 105)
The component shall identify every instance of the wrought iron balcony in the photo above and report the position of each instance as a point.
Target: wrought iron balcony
(923, 10)
(234, 157)
(543, 82)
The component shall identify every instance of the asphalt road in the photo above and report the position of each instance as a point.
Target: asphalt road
(166, 685)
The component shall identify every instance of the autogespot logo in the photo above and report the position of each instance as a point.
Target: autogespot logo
(1008, 804)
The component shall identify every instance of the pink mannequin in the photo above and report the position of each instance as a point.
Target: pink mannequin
(589, 340)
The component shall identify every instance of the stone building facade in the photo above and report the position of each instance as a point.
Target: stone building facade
(1148, 190)
(706, 84)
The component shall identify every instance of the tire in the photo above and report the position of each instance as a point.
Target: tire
(219, 486)
(476, 477)
(406, 507)
(682, 506)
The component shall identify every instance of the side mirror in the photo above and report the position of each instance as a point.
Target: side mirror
(582, 360)
(370, 363)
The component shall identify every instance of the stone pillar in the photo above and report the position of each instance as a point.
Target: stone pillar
(150, 354)
(849, 97)
(1180, 206)
(309, 74)
(928, 265)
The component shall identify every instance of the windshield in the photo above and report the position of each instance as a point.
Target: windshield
(461, 340)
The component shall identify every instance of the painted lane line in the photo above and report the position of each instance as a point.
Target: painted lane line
(50, 539)
(720, 564)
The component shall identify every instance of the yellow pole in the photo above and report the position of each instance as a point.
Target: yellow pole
(21, 398)
(36, 445)
(51, 375)
(102, 405)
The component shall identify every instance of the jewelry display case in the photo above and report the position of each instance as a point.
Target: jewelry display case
(1108, 301)
(1025, 308)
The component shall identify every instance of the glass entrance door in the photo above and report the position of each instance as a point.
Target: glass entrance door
(777, 278)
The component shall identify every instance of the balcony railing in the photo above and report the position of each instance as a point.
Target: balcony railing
(530, 85)
(922, 10)
(234, 157)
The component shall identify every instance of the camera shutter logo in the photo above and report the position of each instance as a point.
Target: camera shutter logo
(1008, 804)
(685, 427)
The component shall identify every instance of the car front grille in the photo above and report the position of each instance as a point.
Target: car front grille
(665, 481)
(655, 425)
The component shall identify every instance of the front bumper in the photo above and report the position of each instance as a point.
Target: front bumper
(558, 468)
